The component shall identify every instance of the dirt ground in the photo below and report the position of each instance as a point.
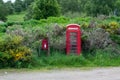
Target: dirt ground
(63, 74)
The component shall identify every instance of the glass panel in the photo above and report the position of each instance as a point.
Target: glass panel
(73, 42)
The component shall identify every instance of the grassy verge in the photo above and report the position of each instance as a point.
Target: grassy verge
(101, 59)
(59, 60)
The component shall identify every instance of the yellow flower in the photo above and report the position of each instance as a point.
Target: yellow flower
(114, 24)
(18, 56)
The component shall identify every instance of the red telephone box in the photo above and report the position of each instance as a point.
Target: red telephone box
(45, 44)
(73, 39)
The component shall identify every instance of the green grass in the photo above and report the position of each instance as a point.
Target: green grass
(16, 17)
(58, 60)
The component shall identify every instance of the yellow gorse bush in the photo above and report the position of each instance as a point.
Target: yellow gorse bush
(17, 39)
(85, 25)
(113, 26)
(21, 53)
(13, 50)
(113, 23)
(110, 27)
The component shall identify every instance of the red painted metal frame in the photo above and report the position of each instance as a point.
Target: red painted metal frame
(76, 29)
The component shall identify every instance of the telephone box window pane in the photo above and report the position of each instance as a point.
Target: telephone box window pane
(73, 42)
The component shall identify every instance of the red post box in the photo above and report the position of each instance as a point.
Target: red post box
(44, 44)
(73, 39)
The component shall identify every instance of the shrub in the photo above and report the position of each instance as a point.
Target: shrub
(12, 50)
(85, 25)
(61, 19)
(42, 9)
(22, 53)
(96, 38)
(2, 29)
(116, 38)
(118, 31)
(113, 26)
(110, 27)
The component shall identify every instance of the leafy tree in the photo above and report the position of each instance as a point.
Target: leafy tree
(117, 8)
(9, 7)
(70, 5)
(26, 3)
(91, 7)
(1, 1)
(3, 11)
(41, 9)
(18, 5)
(100, 7)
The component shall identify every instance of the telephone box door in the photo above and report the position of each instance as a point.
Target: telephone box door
(73, 39)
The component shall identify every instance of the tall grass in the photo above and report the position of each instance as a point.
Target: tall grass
(56, 59)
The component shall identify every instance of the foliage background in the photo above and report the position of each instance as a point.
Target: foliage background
(20, 41)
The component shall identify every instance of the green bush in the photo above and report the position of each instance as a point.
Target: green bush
(110, 27)
(12, 51)
(61, 19)
(116, 38)
(42, 9)
(114, 18)
(2, 29)
(9, 23)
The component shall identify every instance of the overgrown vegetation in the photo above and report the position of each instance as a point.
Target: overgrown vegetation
(13, 53)
(99, 59)
(20, 41)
